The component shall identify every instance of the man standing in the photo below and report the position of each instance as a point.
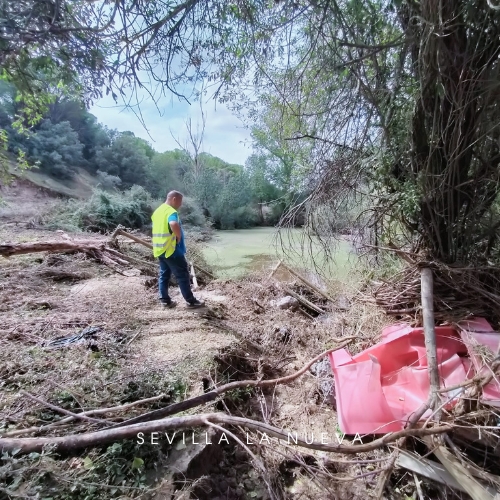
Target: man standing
(170, 249)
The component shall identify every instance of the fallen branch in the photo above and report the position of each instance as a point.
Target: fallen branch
(79, 416)
(99, 411)
(77, 441)
(215, 393)
(304, 301)
(120, 232)
(307, 282)
(9, 249)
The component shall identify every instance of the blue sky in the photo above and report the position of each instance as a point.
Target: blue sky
(225, 135)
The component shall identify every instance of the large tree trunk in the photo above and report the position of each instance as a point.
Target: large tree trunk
(8, 249)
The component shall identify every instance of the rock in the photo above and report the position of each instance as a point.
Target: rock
(287, 303)
(321, 368)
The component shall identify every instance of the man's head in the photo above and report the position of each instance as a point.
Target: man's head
(174, 199)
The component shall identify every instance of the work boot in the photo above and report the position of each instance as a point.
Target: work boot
(168, 305)
(196, 304)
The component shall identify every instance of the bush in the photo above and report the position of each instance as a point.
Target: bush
(191, 213)
(107, 181)
(104, 211)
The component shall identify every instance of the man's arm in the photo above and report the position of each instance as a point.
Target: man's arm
(176, 229)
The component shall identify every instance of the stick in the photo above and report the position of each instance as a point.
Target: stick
(79, 416)
(134, 337)
(210, 275)
(307, 282)
(132, 260)
(193, 275)
(99, 411)
(386, 473)
(304, 301)
(247, 449)
(78, 441)
(258, 304)
(420, 493)
(430, 335)
(471, 485)
(275, 269)
(121, 232)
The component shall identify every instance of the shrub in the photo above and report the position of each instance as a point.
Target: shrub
(107, 181)
(104, 211)
(191, 213)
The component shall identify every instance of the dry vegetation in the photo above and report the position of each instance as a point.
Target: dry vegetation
(143, 358)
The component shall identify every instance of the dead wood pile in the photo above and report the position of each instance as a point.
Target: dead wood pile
(108, 253)
(459, 293)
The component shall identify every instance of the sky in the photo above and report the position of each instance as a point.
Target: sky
(225, 135)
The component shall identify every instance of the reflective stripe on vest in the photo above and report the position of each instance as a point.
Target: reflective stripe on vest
(164, 240)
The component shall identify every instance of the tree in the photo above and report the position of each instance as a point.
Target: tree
(165, 172)
(56, 149)
(91, 134)
(126, 159)
(263, 190)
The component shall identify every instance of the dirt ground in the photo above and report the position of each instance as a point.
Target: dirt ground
(143, 351)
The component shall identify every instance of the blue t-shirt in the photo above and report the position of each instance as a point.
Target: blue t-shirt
(180, 248)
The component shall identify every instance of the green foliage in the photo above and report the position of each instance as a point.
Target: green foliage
(126, 158)
(166, 171)
(104, 211)
(191, 213)
(55, 148)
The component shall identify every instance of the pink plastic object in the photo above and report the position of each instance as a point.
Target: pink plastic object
(378, 389)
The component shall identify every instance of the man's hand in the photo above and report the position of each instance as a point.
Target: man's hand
(176, 229)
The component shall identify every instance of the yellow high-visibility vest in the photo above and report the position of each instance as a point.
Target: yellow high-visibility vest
(164, 239)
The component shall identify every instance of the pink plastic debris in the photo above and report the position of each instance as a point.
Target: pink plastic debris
(378, 389)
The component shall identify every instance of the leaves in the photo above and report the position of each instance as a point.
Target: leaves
(137, 463)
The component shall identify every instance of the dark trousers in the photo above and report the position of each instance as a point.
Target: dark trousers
(178, 266)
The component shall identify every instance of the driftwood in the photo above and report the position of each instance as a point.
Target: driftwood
(304, 301)
(305, 281)
(120, 232)
(78, 441)
(8, 249)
